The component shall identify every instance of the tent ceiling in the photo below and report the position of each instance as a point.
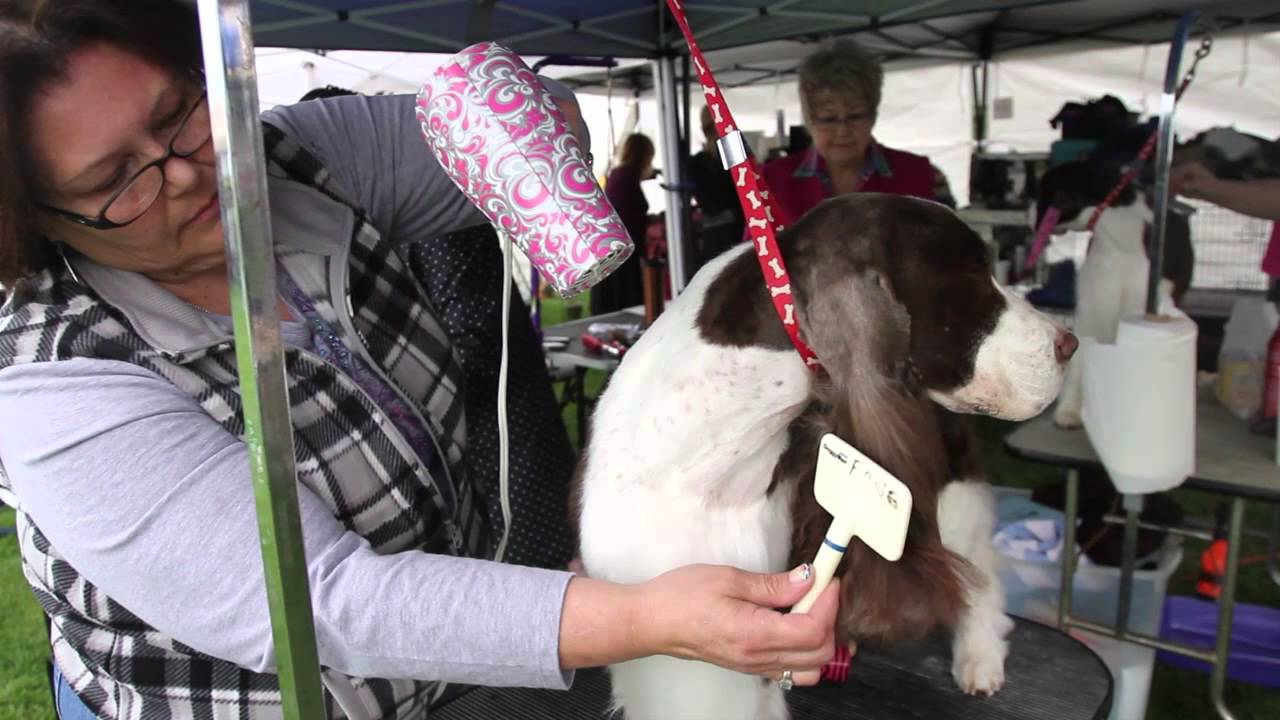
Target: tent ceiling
(951, 29)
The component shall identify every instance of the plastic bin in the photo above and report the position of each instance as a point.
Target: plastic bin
(1031, 591)
(1255, 638)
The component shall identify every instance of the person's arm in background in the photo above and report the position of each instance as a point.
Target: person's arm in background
(1255, 198)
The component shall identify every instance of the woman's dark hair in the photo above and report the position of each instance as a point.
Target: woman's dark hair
(637, 152)
(36, 39)
(327, 91)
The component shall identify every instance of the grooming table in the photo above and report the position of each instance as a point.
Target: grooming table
(1049, 676)
(575, 355)
(575, 361)
(1230, 461)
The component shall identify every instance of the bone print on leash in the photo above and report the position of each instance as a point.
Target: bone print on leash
(753, 195)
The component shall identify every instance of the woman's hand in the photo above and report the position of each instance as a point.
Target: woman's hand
(729, 618)
(1259, 198)
(1193, 180)
(716, 614)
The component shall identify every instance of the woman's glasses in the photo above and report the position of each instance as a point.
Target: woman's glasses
(132, 200)
(851, 120)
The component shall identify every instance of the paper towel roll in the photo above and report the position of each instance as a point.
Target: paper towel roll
(1140, 402)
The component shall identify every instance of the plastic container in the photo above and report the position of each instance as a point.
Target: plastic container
(1255, 638)
(1031, 591)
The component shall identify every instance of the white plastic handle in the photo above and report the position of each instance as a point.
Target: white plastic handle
(824, 568)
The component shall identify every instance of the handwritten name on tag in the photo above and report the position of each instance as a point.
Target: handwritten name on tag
(864, 499)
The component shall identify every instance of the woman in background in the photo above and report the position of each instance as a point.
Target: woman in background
(840, 87)
(625, 287)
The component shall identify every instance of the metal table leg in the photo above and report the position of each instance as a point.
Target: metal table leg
(580, 378)
(1273, 546)
(1132, 508)
(1220, 656)
(1226, 609)
(1072, 509)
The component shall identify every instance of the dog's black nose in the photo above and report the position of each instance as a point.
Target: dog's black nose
(1064, 346)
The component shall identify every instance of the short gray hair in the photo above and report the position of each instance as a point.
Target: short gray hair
(844, 68)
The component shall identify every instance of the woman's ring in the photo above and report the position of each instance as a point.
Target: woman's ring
(786, 683)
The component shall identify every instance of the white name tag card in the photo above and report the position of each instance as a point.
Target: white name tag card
(864, 499)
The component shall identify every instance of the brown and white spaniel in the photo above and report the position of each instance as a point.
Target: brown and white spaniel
(704, 444)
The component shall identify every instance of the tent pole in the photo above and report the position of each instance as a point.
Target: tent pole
(982, 94)
(981, 76)
(686, 138)
(686, 152)
(241, 169)
(665, 75)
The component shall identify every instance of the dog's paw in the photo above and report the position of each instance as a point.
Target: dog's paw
(979, 673)
(1067, 419)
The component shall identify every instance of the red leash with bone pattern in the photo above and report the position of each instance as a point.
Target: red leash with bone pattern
(1149, 147)
(757, 203)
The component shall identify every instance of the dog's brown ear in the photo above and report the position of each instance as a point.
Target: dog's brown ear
(926, 587)
(857, 327)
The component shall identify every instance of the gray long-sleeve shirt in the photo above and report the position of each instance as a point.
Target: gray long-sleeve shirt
(149, 498)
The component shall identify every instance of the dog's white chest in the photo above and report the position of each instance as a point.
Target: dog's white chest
(683, 448)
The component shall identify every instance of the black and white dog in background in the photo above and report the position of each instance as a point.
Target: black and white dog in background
(1112, 282)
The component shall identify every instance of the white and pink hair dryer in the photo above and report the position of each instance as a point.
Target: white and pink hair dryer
(502, 139)
(504, 142)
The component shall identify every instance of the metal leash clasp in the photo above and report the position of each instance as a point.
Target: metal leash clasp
(733, 149)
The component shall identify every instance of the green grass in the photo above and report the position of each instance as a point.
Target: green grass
(24, 691)
(1175, 694)
(555, 311)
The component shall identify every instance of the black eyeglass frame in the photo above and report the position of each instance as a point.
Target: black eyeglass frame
(101, 222)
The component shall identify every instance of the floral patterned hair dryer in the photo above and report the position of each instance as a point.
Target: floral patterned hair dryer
(501, 138)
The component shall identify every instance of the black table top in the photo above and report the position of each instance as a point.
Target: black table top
(575, 355)
(1048, 675)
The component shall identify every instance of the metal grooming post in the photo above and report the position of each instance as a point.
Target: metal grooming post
(1072, 509)
(1164, 157)
(242, 191)
(1162, 160)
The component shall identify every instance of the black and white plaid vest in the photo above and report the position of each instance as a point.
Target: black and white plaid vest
(124, 669)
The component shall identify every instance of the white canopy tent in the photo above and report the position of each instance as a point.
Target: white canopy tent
(927, 106)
